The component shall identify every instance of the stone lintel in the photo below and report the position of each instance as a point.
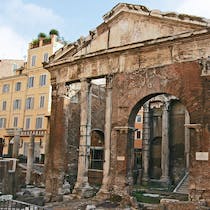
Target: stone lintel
(124, 129)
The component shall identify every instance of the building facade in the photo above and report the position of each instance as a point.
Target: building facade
(8, 67)
(26, 101)
(143, 55)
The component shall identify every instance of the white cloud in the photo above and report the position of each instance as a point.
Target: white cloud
(30, 14)
(195, 7)
(12, 45)
(20, 23)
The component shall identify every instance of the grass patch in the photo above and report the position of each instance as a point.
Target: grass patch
(143, 197)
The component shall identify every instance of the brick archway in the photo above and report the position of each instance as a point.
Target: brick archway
(128, 88)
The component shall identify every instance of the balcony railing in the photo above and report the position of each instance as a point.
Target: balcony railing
(33, 132)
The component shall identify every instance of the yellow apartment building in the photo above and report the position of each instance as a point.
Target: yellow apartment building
(138, 139)
(8, 67)
(26, 100)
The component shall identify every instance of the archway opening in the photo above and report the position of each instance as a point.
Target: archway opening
(160, 142)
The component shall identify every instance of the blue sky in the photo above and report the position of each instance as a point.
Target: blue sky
(22, 20)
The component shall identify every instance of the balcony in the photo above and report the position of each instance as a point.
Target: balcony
(25, 133)
(40, 133)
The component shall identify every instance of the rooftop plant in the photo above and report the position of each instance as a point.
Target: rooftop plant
(42, 35)
(54, 31)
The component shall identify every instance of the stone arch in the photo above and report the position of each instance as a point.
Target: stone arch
(160, 167)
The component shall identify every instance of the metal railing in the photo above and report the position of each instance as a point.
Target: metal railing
(181, 182)
(34, 132)
(19, 205)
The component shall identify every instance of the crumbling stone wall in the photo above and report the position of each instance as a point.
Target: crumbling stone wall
(98, 111)
(65, 136)
(9, 182)
(167, 204)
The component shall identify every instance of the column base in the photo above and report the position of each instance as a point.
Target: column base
(145, 180)
(165, 179)
(103, 194)
(83, 190)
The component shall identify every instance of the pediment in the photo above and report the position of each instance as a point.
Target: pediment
(127, 24)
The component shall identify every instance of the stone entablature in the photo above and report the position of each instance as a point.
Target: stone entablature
(139, 57)
(128, 24)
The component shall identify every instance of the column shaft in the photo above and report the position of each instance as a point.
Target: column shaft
(15, 150)
(30, 160)
(145, 142)
(187, 140)
(85, 137)
(107, 143)
(165, 143)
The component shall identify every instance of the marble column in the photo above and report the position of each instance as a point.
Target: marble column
(146, 141)
(82, 187)
(30, 159)
(165, 143)
(107, 143)
(187, 140)
(15, 150)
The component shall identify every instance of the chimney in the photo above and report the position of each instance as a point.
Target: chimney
(53, 38)
(41, 41)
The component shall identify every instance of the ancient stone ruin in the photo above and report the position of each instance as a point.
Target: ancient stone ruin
(151, 60)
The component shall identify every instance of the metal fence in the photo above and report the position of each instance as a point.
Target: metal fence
(19, 205)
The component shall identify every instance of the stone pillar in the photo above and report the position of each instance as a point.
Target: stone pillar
(107, 143)
(146, 141)
(30, 160)
(120, 171)
(187, 140)
(15, 150)
(56, 151)
(165, 143)
(120, 161)
(82, 187)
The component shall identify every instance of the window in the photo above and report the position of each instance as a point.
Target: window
(42, 80)
(33, 60)
(30, 82)
(14, 67)
(30, 103)
(15, 122)
(96, 158)
(138, 118)
(17, 104)
(18, 86)
(41, 102)
(4, 106)
(138, 134)
(5, 88)
(45, 59)
(39, 122)
(2, 122)
(27, 123)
